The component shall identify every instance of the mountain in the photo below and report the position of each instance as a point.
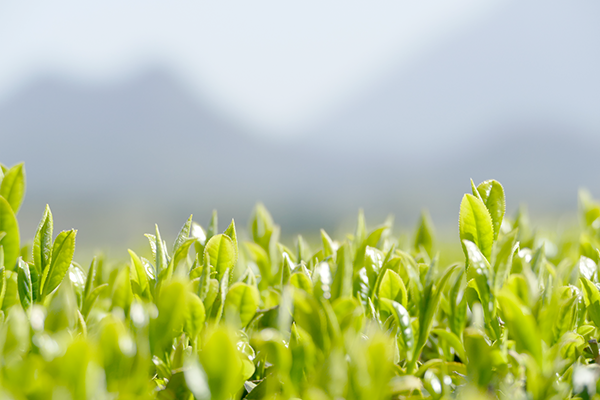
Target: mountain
(515, 99)
(532, 61)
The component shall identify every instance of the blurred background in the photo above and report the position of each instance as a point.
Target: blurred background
(130, 113)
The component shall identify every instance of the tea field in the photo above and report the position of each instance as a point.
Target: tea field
(234, 313)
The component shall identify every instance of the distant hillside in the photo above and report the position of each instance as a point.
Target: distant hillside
(515, 99)
(534, 61)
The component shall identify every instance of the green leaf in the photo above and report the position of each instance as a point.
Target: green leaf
(361, 228)
(161, 258)
(12, 187)
(285, 271)
(592, 295)
(204, 284)
(329, 248)
(195, 315)
(62, 256)
(475, 224)
(492, 195)
(425, 234)
(90, 278)
(184, 234)
(24, 284)
(223, 290)
(261, 258)
(222, 364)
(170, 317)
(304, 252)
(502, 259)
(11, 239)
(479, 354)
(301, 281)
(138, 272)
(181, 253)
(122, 295)
(2, 282)
(565, 319)
(342, 280)
(89, 300)
(479, 271)
(521, 325)
(453, 341)
(429, 305)
(231, 232)
(402, 318)
(221, 251)
(261, 226)
(42, 242)
(243, 300)
(197, 381)
(371, 240)
(213, 226)
(392, 287)
(458, 306)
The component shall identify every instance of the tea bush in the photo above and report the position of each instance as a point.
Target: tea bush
(212, 316)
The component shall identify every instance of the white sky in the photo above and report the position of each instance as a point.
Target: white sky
(272, 64)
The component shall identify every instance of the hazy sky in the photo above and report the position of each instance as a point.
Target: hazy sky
(272, 64)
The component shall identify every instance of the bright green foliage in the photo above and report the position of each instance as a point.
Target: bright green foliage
(10, 239)
(12, 186)
(238, 315)
(475, 224)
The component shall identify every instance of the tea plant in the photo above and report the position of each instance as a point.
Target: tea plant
(213, 315)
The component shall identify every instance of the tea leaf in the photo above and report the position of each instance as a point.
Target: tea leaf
(243, 300)
(475, 224)
(62, 255)
(42, 242)
(24, 284)
(12, 187)
(221, 251)
(492, 195)
(11, 239)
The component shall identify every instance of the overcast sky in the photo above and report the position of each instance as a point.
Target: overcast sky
(271, 64)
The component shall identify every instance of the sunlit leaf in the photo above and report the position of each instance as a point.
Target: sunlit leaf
(11, 239)
(221, 251)
(475, 224)
(12, 186)
(242, 299)
(491, 193)
(62, 255)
